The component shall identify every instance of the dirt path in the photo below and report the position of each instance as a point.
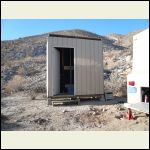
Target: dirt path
(21, 113)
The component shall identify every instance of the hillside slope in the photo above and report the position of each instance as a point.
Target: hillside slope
(25, 59)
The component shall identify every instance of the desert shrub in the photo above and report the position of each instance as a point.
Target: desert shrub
(15, 84)
(29, 52)
(3, 117)
(36, 90)
(40, 89)
(30, 71)
(122, 91)
(21, 71)
(32, 95)
(8, 64)
(117, 85)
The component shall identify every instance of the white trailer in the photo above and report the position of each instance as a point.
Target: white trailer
(138, 79)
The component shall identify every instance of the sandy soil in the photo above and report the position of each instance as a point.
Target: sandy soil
(20, 113)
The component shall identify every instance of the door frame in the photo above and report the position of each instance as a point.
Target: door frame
(53, 49)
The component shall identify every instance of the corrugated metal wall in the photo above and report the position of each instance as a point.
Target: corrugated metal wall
(88, 64)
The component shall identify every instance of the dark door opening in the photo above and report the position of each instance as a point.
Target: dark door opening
(145, 93)
(66, 70)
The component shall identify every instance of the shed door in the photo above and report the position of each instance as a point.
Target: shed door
(56, 71)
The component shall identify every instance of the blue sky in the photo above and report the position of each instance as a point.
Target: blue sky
(16, 28)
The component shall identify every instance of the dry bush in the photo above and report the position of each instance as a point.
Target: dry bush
(3, 117)
(117, 85)
(29, 58)
(36, 90)
(21, 71)
(122, 91)
(29, 52)
(40, 89)
(31, 71)
(15, 84)
(8, 64)
(39, 58)
(32, 95)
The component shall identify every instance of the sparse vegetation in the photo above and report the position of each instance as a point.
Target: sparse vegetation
(119, 90)
(40, 89)
(26, 57)
(37, 90)
(7, 63)
(3, 117)
(33, 95)
(15, 84)
(31, 71)
(24, 68)
(29, 115)
(21, 71)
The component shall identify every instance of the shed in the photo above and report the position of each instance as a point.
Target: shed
(74, 63)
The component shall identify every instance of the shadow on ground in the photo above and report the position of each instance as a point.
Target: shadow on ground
(6, 125)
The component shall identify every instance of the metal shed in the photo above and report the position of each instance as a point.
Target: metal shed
(74, 64)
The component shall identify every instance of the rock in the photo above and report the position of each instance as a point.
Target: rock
(118, 116)
(40, 121)
(136, 122)
(65, 111)
(128, 58)
(93, 112)
(92, 109)
(104, 109)
(97, 113)
(98, 125)
(120, 70)
(120, 108)
(147, 115)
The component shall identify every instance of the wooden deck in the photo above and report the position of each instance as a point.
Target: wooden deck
(141, 106)
(62, 101)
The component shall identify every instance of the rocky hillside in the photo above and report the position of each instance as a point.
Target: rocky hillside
(123, 40)
(25, 59)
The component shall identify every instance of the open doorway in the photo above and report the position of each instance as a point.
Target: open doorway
(66, 60)
(145, 93)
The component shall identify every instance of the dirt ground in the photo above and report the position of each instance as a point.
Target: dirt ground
(20, 113)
